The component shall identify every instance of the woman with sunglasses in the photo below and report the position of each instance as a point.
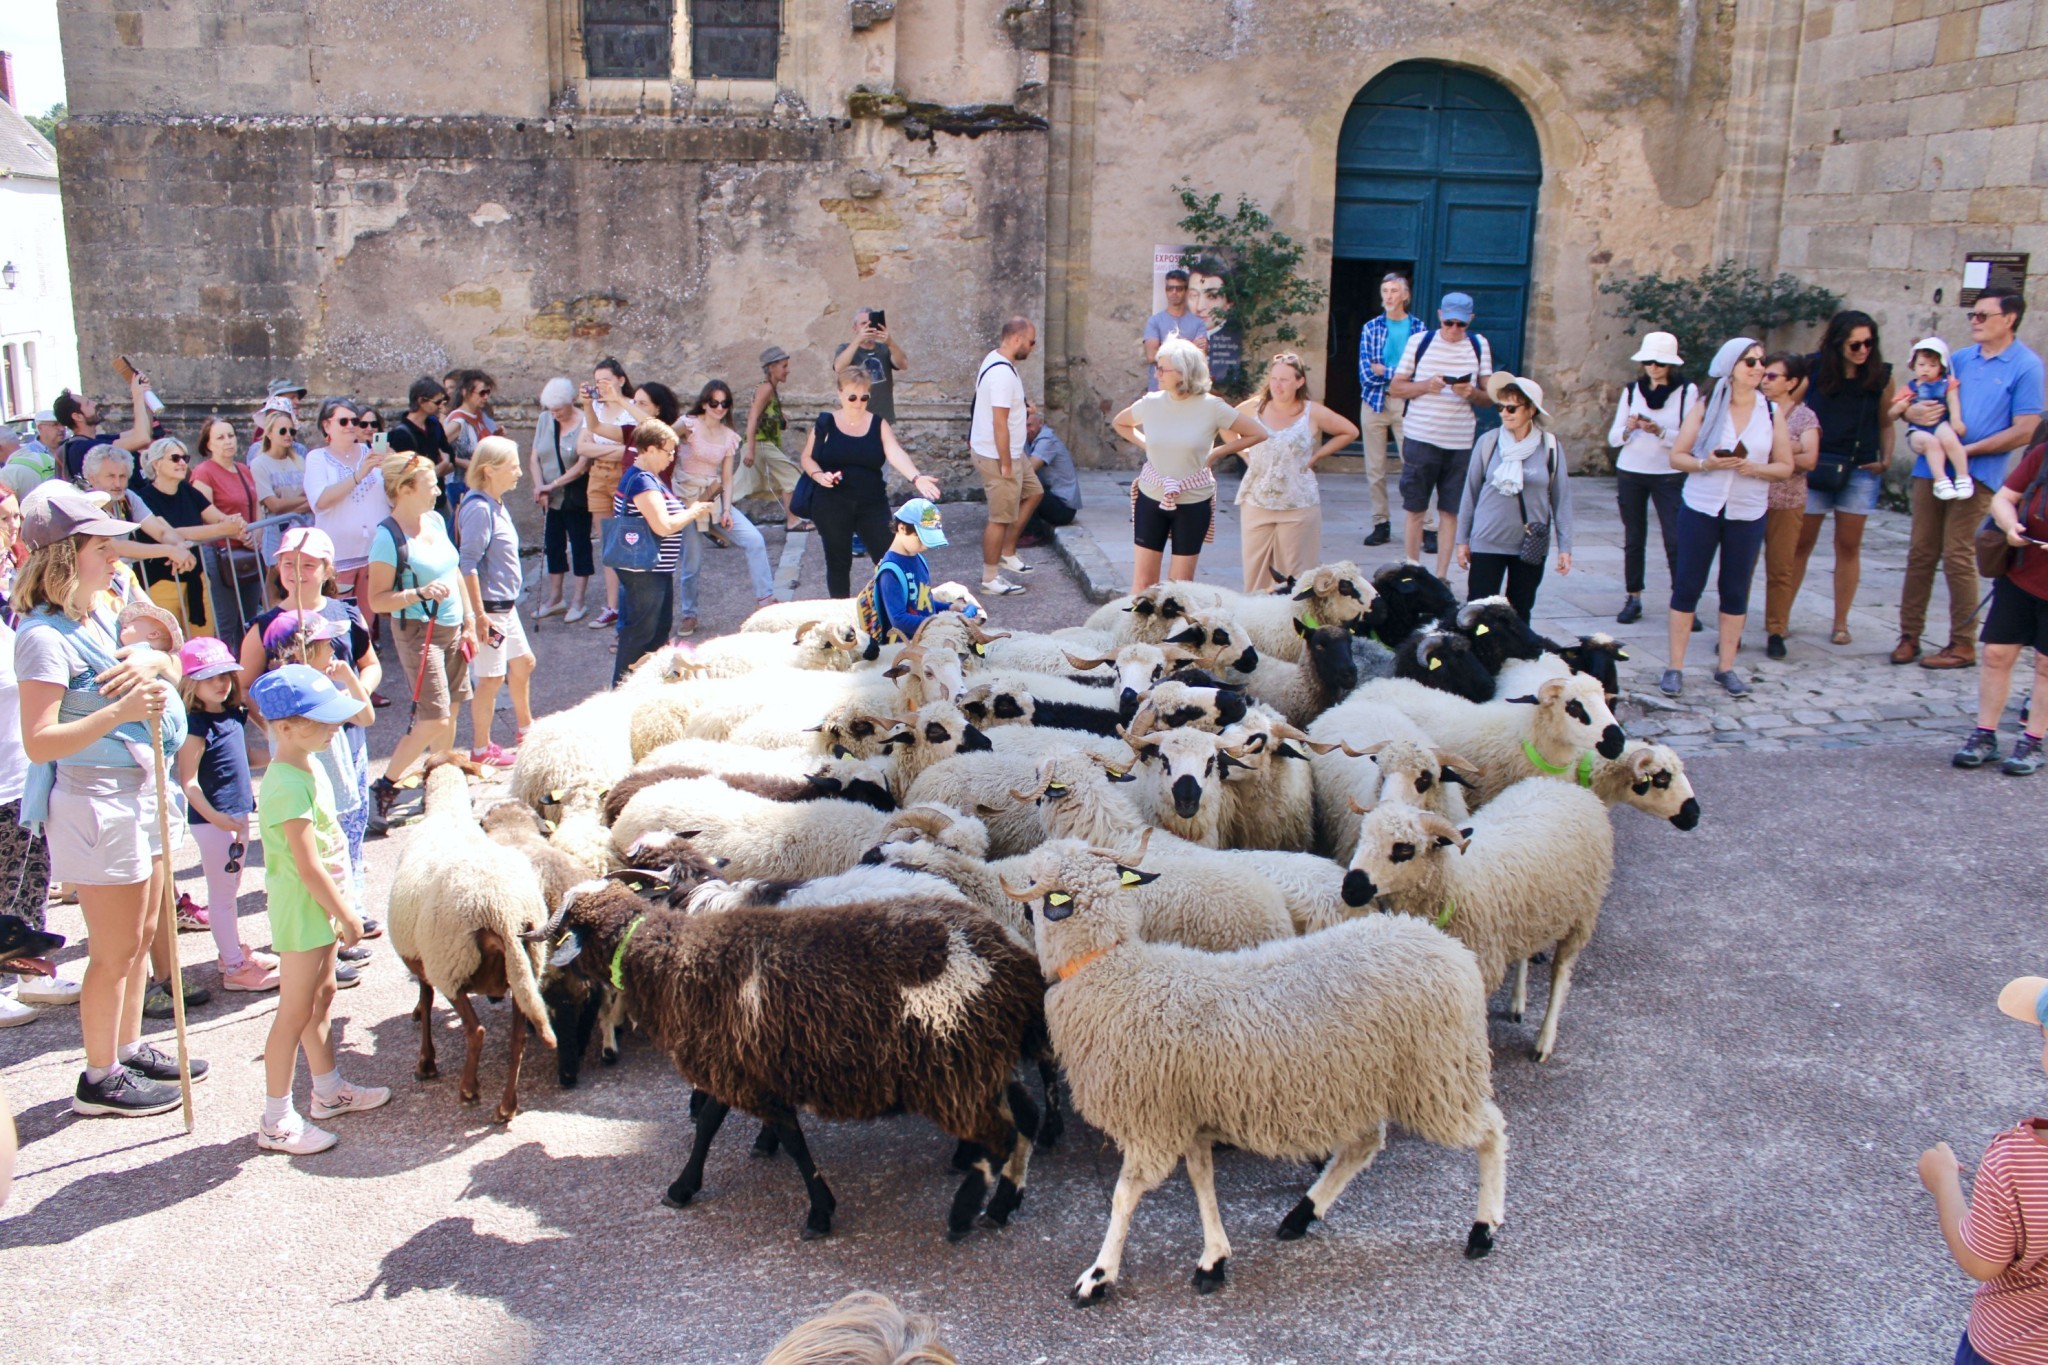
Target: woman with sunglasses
(234, 572)
(280, 474)
(345, 484)
(1283, 507)
(1730, 449)
(167, 491)
(703, 473)
(1850, 383)
(844, 456)
(1515, 479)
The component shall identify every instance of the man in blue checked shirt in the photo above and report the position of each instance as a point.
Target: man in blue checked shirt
(1379, 349)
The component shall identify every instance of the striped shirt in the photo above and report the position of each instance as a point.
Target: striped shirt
(1444, 419)
(2008, 1221)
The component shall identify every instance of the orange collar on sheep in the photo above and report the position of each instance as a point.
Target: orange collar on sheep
(1067, 970)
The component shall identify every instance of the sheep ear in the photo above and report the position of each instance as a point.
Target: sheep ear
(566, 951)
(1130, 876)
(1299, 628)
(1524, 701)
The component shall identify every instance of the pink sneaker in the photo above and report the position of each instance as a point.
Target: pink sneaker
(269, 960)
(252, 976)
(192, 917)
(494, 757)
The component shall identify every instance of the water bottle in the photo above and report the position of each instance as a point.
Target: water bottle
(153, 403)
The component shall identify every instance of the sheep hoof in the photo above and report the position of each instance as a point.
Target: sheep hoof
(504, 1114)
(1210, 1280)
(679, 1195)
(1295, 1224)
(1007, 1198)
(426, 1071)
(1515, 1016)
(472, 1096)
(1480, 1242)
(568, 1080)
(1091, 1289)
(816, 1227)
(608, 1056)
(766, 1144)
(1540, 1053)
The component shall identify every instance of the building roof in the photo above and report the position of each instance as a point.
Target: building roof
(23, 150)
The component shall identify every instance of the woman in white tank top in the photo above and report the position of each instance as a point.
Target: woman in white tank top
(1730, 449)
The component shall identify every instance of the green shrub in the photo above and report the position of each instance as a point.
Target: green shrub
(1725, 300)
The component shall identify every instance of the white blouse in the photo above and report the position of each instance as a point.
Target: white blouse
(1743, 499)
(1642, 453)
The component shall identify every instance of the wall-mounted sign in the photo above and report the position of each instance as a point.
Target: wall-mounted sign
(1995, 272)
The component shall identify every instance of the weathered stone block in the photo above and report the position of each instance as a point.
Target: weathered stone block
(2011, 161)
(1934, 249)
(1891, 243)
(1955, 161)
(1894, 166)
(867, 14)
(1913, 44)
(2012, 204)
(1845, 246)
(2003, 27)
(1958, 38)
(1941, 113)
(1990, 107)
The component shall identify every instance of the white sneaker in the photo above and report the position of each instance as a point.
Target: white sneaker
(352, 1099)
(1945, 489)
(47, 990)
(1001, 586)
(1015, 565)
(1964, 486)
(575, 614)
(12, 1012)
(299, 1138)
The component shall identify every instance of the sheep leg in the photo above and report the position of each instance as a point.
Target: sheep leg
(508, 1103)
(1493, 1182)
(1209, 1271)
(1560, 985)
(1343, 1166)
(818, 1223)
(473, 1035)
(708, 1116)
(573, 1024)
(610, 1018)
(1520, 1003)
(1054, 1124)
(1023, 1122)
(1132, 1184)
(427, 1070)
(766, 1142)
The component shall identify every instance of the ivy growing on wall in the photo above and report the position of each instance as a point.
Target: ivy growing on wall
(1724, 300)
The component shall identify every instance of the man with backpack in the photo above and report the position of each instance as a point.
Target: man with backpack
(1442, 378)
(898, 598)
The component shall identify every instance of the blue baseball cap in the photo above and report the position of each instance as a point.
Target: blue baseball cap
(921, 515)
(1456, 307)
(296, 690)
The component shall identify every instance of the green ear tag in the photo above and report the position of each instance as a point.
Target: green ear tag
(1308, 619)
(1481, 630)
(1443, 921)
(1435, 664)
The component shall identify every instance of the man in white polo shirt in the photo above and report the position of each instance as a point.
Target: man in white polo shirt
(1442, 378)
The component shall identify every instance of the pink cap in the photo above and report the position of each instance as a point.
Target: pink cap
(206, 657)
(307, 540)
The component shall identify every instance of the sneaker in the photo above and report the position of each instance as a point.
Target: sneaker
(607, 617)
(1944, 488)
(1429, 542)
(192, 917)
(494, 757)
(270, 961)
(860, 546)
(383, 796)
(355, 954)
(13, 1012)
(1631, 611)
(1965, 486)
(1980, 748)
(1382, 532)
(1000, 586)
(1672, 683)
(685, 628)
(152, 1063)
(346, 976)
(1774, 647)
(46, 990)
(574, 615)
(250, 976)
(372, 928)
(1697, 625)
(123, 1095)
(296, 1138)
(379, 700)
(352, 1099)
(157, 1003)
(1014, 564)
(1732, 682)
(2025, 760)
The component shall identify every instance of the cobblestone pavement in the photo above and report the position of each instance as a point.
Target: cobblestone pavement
(1822, 696)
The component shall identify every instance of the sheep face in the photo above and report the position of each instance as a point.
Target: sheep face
(1447, 661)
(1406, 596)
(1658, 785)
(933, 823)
(1572, 716)
(853, 779)
(992, 703)
(1138, 668)
(1177, 704)
(1598, 656)
(1218, 642)
(1400, 851)
(1188, 766)
(857, 726)
(925, 674)
(1327, 652)
(1336, 594)
(1078, 903)
(822, 646)
(936, 730)
(586, 929)
(1414, 775)
(1497, 633)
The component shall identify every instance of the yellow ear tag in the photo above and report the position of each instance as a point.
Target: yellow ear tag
(1055, 786)
(1057, 898)
(1621, 654)
(981, 649)
(1129, 878)
(1435, 664)
(1480, 631)
(1114, 772)
(555, 797)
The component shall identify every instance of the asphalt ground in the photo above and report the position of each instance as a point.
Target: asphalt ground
(1780, 1010)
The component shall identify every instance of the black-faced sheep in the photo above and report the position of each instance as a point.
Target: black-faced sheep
(1302, 691)
(844, 779)
(1498, 634)
(1330, 594)
(1530, 870)
(757, 1010)
(757, 837)
(458, 912)
(1406, 597)
(1301, 1049)
(1444, 660)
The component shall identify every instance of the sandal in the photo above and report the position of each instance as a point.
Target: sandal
(1840, 637)
(798, 527)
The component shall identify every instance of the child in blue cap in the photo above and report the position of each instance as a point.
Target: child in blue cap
(899, 597)
(305, 873)
(1999, 1234)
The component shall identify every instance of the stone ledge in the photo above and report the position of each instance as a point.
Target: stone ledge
(1084, 559)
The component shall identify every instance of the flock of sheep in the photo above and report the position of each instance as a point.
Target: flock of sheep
(1233, 868)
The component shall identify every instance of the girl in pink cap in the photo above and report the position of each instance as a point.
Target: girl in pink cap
(213, 768)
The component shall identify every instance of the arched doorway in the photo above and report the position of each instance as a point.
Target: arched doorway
(1438, 171)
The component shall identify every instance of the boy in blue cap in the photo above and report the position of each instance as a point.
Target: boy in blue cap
(899, 597)
(1999, 1234)
(305, 871)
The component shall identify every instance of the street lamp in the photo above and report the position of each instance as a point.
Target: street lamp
(8, 275)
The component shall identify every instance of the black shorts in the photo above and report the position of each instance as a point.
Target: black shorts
(1187, 525)
(2016, 617)
(1427, 470)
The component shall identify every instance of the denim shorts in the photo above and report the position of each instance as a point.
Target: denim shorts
(1858, 497)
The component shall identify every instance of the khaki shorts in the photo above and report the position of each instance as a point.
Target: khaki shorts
(772, 475)
(447, 682)
(603, 485)
(1006, 496)
(102, 829)
(492, 660)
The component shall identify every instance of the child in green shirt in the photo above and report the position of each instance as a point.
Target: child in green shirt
(305, 867)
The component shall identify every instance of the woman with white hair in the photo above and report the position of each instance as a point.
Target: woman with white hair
(561, 485)
(1175, 428)
(168, 492)
(1743, 446)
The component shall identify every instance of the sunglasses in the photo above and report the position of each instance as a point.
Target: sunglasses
(1979, 316)
(1859, 345)
(1776, 376)
(176, 459)
(853, 398)
(1512, 407)
(235, 851)
(719, 403)
(1751, 361)
(1453, 322)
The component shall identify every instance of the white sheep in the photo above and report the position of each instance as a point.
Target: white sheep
(1530, 871)
(756, 837)
(1379, 754)
(1271, 791)
(582, 746)
(1333, 594)
(983, 784)
(814, 646)
(1303, 1049)
(1513, 736)
(459, 909)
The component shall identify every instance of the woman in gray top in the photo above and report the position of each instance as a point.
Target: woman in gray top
(1516, 480)
(491, 581)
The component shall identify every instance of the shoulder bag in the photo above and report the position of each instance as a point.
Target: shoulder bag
(1997, 556)
(803, 499)
(1536, 534)
(630, 545)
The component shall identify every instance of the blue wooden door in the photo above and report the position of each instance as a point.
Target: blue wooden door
(1441, 167)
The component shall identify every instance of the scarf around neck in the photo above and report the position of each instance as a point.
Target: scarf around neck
(1506, 478)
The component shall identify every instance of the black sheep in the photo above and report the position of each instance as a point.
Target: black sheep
(1497, 633)
(1407, 598)
(1445, 660)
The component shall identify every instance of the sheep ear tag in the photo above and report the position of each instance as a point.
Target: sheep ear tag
(1621, 654)
(566, 951)
(1480, 630)
(1058, 905)
(980, 649)
(1130, 876)
(1435, 664)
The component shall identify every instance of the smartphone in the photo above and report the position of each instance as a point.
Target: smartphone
(1457, 379)
(126, 369)
(495, 636)
(590, 390)
(877, 319)
(381, 444)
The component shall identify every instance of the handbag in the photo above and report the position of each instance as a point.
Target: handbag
(1830, 475)
(1536, 534)
(630, 545)
(803, 498)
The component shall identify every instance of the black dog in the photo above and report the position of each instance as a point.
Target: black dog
(25, 949)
